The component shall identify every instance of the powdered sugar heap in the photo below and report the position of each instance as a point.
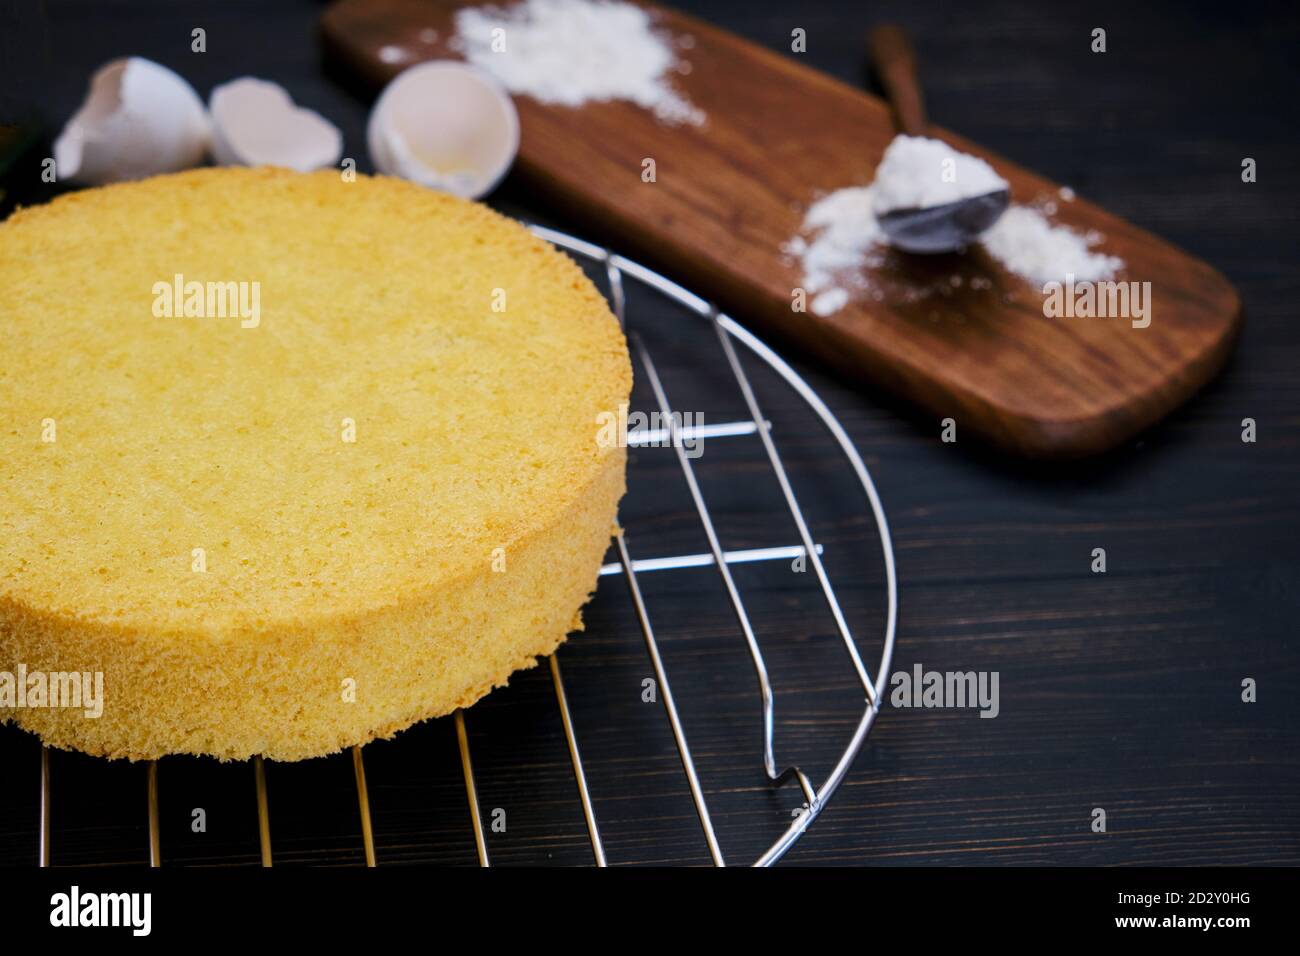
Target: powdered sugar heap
(1026, 243)
(570, 52)
(917, 172)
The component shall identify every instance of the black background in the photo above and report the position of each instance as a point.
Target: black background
(1119, 691)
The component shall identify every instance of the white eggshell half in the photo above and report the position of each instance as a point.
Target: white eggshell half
(255, 123)
(447, 125)
(139, 119)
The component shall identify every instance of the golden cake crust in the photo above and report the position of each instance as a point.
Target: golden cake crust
(288, 536)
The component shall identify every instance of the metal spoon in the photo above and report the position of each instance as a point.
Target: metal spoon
(951, 226)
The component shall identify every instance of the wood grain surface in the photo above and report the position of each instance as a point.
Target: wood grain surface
(1119, 691)
(958, 335)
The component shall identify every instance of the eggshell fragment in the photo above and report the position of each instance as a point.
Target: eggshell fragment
(255, 123)
(139, 119)
(447, 125)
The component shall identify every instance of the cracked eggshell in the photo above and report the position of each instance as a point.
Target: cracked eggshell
(447, 125)
(139, 119)
(255, 123)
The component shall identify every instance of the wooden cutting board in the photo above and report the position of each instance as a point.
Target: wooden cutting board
(958, 335)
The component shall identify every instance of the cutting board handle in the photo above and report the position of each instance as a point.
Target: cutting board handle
(895, 65)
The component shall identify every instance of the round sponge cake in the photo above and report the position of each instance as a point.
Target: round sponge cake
(292, 461)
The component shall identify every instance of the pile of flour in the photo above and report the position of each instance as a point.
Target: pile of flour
(841, 241)
(917, 172)
(570, 52)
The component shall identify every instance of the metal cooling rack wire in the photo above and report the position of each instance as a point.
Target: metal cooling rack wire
(815, 799)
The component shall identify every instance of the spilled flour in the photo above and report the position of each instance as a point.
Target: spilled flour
(1027, 243)
(570, 52)
(840, 242)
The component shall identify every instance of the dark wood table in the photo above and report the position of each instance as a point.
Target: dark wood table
(1120, 690)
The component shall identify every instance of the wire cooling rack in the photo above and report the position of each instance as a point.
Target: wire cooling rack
(679, 436)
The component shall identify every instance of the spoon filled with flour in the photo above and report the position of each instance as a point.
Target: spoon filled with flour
(930, 198)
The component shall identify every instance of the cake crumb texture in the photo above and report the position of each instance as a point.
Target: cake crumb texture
(451, 543)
